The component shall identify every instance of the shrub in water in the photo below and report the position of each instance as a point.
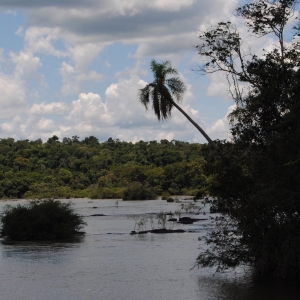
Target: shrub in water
(165, 196)
(170, 200)
(137, 191)
(41, 220)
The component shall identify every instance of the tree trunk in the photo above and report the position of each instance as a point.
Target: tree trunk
(195, 124)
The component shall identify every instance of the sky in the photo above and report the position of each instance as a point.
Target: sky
(74, 67)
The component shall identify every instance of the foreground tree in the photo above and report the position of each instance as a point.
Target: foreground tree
(162, 91)
(256, 177)
(41, 220)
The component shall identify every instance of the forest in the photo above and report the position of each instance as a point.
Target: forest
(110, 169)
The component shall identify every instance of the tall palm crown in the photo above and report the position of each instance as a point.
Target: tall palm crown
(162, 91)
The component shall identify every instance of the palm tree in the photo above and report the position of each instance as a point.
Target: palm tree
(162, 91)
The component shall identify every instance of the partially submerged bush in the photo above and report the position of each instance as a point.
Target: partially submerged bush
(137, 191)
(41, 220)
(170, 200)
(165, 196)
(107, 193)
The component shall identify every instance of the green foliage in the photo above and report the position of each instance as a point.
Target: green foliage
(87, 168)
(255, 178)
(108, 193)
(137, 191)
(165, 195)
(41, 220)
(170, 200)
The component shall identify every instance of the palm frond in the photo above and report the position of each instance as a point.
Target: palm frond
(165, 102)
(161, 96)
(156, 69)
(144, 96)
(168, 69)
(162, 70)
(177, 87)
(155, 97)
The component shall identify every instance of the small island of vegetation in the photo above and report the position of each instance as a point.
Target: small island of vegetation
(41, 220)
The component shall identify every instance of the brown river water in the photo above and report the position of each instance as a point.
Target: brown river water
(109, 263)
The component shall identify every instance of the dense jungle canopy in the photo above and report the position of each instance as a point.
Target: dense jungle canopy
(87, 168)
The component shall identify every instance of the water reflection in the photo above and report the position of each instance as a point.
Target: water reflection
(243, 287)
(52, 252)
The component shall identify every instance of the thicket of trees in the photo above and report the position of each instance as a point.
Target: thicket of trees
(87, 168)
(256, 177)
(41, 220)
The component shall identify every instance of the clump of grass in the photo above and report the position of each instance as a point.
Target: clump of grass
(41, 220)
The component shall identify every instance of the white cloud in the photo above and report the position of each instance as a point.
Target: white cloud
(46, 125)
(170, 5)
(77, 71)
(89, 76)
(13, 96)
(218, 85)
(174, 23)
(72, 78)
(83, 55)
(54, 108)
(13, 87)
(89, 110)
(26, 64)
(41, 39)
(220, 128)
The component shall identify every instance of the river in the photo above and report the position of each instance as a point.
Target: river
(109, 263)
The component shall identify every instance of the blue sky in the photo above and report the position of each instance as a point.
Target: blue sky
(74, 68)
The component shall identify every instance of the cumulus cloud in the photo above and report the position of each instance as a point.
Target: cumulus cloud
(12, 96)
(26, 64)
(54, 108)
(218, 85)
(13, 88)
(46, 125)
(72, 78)
(89, 109)
(127, 21)
(41, 40)
(220, 128)
(83, 55)
(119, 112)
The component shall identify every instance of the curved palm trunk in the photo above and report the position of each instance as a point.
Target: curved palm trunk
(195, 124)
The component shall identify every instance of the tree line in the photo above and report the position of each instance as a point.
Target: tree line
(88, 168)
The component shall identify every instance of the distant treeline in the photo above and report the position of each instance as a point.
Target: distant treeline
(87, 168)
